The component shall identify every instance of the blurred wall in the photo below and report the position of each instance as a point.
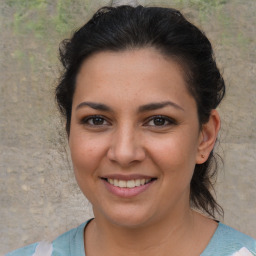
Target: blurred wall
(39, 198)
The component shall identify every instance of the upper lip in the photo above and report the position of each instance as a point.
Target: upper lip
(127, 177)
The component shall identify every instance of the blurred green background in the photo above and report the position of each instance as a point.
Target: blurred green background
(38, 196)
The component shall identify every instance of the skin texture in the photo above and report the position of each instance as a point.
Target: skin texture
(128, 139)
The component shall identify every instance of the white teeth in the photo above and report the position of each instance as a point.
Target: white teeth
(122, 184)
(128, 183)
(137, 183)
(116, 183)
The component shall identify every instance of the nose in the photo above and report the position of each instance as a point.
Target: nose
(126, 147)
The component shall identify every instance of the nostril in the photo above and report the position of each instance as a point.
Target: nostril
(125, 155)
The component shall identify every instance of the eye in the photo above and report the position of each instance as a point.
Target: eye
(160, 121)
(95, 121)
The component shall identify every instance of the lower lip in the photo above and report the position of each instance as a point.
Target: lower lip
(127, 192)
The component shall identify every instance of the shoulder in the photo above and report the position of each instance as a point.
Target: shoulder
(25, 251)
(227, 241)
(235, 238)
(69, 243)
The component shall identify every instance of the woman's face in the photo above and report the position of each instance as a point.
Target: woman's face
(134, 136)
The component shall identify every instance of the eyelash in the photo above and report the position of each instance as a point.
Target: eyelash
(86, 120)
(170, 121)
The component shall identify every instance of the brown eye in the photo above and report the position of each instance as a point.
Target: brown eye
(160, 121)
(95, 121)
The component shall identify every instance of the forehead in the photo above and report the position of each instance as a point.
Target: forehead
(139, 74)
(130, 60)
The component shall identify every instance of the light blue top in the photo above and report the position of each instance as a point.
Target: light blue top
(225, 242)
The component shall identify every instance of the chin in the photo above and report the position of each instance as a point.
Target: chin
(128, 218)
(129, 223)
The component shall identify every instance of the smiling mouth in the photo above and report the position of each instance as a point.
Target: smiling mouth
(128, 183)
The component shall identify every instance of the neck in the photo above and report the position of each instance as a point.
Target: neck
(171, 233)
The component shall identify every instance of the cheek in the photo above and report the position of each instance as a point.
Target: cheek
(86, 154)
(86, 157)
(176, 154)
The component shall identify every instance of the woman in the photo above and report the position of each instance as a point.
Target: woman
(139, 92)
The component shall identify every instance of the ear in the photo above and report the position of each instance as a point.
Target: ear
(208, 136)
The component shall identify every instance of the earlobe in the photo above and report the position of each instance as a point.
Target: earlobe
(208, 136)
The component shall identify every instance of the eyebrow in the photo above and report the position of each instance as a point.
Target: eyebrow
(143, 108)
(94, 105)
(158, 105)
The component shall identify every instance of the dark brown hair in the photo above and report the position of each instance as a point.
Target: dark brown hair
(126, 27)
